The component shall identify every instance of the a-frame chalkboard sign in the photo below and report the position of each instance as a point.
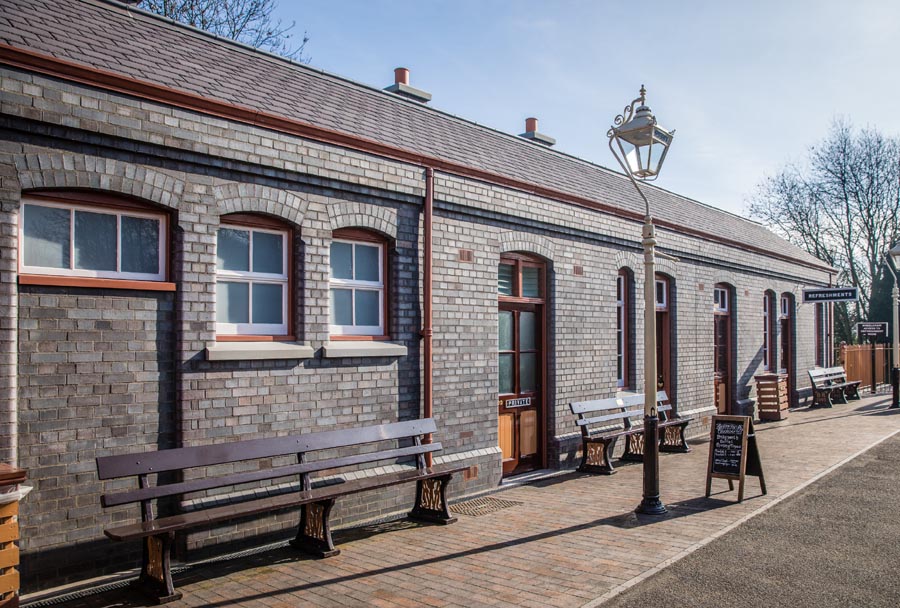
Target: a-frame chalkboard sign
(733, 453)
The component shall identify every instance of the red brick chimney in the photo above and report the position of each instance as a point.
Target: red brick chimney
(401, 87)
(531, 132)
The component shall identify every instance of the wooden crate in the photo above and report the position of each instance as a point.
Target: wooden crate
(772, 396)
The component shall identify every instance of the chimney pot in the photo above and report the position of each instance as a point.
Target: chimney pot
(531, 125)
(531, 132)
(401, 76)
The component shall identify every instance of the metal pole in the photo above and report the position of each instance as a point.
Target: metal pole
(895, 354)
(872, 345)
(650, 504)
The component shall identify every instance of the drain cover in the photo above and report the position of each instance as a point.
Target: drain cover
(482, 506)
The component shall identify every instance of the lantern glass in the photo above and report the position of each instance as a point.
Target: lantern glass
(644, 149)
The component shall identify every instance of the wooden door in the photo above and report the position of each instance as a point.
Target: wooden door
(722, 348)
(786, 331)
(520, 386)
(663, 336)
(722, 381)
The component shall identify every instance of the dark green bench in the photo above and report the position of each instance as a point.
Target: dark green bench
(314, 531)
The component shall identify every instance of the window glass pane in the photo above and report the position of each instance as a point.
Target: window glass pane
(531, 282)
(95, 241)
(527, 331)
(341, 307)
(140, 245)
(505, 275)
(46, 232)
(341, 261)
(660, 293)
(507, 379)
(367, 307)
(527, 372)
(268, 253)
(506, 330)
(367, 262)
(232, 302)
(233, 249)
(268, 303)
(620, 287)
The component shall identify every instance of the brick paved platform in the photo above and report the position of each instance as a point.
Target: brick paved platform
(573, 540)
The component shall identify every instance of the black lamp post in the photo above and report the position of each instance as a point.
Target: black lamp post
(894, 254)
(640, 148)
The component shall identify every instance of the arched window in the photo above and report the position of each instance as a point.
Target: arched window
(92, 237)
(358, 284)
(253, 264)
(623, 328)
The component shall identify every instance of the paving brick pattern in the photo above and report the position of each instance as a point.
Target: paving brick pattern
(573, 539)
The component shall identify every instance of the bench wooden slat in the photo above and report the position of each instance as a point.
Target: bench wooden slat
(582, 407)
(209, 483)
(176, 459)
(272, 503)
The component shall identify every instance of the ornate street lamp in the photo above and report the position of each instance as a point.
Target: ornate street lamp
(894, 253)
(642, 146)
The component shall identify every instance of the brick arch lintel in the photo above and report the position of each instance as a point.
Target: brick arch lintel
(68, 170)
(527, 242)
(347, 214)
(243, 197)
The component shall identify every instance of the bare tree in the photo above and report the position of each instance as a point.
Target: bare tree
(248, 21)
(841, 206)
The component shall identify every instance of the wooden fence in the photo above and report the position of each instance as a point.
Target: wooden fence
(857, 361)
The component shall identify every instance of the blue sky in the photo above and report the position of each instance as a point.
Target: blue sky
(749, 86)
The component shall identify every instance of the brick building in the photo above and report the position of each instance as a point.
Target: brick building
(200, 242)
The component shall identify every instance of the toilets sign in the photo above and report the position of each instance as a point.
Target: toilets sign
(830, 294)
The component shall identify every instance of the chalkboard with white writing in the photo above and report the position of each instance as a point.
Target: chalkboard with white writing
(733, 453)
(728, 447)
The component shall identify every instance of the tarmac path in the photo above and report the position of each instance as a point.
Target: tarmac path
(834, 543)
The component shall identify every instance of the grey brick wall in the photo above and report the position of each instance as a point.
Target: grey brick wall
(96, 377)
(197, 168)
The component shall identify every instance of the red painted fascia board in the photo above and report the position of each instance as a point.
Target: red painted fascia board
(96, 77)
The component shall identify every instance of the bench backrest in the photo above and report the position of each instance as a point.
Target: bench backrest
(144, 464)
(825, 376)
(617, 411)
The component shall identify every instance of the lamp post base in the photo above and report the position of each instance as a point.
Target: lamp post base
(651, 504)
(895, 385)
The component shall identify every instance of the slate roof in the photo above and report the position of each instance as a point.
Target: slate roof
(110, 37)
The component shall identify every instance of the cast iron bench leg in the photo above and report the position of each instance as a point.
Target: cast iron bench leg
(634, 447)
(671, 439)
(314, 533)
(595, 456)
(853, 391)
(431, 501)
(156, 575)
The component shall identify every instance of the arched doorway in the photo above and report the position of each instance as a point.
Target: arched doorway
(522, 363)
(722, 328)
(664, 309)
(786, 347)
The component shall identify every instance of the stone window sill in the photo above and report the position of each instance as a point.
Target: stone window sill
(258, 351)
(372, 348)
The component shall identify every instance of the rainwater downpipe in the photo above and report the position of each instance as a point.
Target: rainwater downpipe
(427, 330)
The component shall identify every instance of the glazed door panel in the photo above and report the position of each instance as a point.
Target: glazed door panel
(520, 386)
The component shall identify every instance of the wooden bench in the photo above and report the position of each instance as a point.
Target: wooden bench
(314, 532)
(831, 383)
(603, 421)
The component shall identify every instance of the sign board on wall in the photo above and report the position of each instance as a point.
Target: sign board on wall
(830, 294)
